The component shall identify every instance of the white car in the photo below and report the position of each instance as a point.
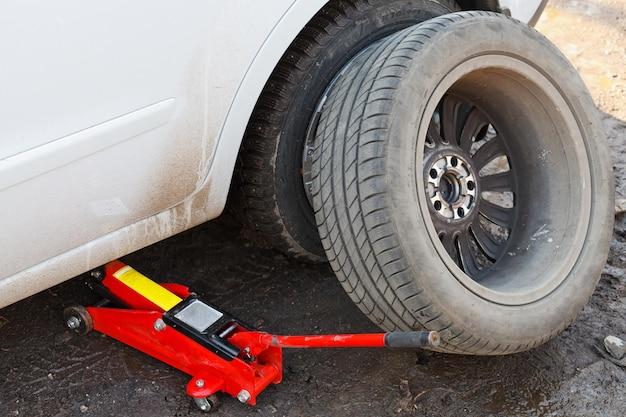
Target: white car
(454, 173)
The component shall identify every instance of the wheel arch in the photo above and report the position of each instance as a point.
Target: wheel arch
(251, 88)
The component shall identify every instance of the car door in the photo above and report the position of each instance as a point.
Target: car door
(101, 118)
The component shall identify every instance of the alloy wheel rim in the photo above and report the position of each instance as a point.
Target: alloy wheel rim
(469, 182)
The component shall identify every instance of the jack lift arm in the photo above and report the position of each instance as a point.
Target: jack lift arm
(222, 354)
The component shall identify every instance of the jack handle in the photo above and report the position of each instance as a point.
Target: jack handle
(392, 340)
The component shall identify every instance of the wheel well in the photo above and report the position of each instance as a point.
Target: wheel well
(271, 96)
(490, 5)
(340, 6)
(333, 7)
(251, 189)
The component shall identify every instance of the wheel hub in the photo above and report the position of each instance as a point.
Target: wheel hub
(451, 186)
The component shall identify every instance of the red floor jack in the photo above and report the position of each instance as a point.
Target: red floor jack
(221, 353)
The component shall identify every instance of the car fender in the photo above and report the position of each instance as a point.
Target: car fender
(232, 131)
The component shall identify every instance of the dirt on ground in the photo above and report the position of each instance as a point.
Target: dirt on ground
(592, 34)
(48, 371)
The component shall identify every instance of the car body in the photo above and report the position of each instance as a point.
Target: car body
(121, 123)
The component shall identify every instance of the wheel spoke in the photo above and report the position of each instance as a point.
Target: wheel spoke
(499, 215)
(476, 121)
(449, 242)
(468, 262)
(451, 115)
(471, 237)
(433, 133)
(485, 241)
(488, 152)
(497, 182)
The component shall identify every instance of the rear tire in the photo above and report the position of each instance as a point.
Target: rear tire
(410, 122)
(268, 184)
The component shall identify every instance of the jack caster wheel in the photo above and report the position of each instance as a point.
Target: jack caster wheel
(207, 404)
(78, 319)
